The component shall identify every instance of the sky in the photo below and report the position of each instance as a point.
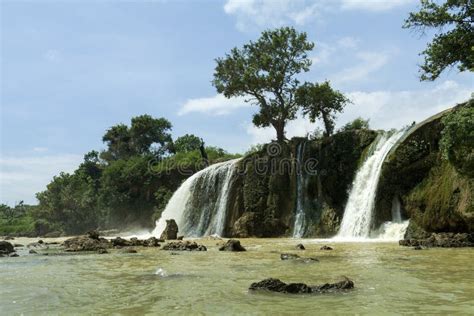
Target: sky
(72, 69)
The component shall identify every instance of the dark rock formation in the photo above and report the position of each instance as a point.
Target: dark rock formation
(300, 247)
(432, 193)
(120, 242)
(291, 256)
(232, 245)
(93, 234)
(128, 250)
(276, 285)
(184, 246)
(325, 247)
(171, 230)
(6, 248)
(85, 243)
(32, 251)
(102, 251)
(446, 240)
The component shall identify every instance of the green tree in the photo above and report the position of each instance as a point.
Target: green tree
(186, 143)
(454, 46)
(150, 135)
(146, 135)
(265, 72)
(358, 123)
(321, 101)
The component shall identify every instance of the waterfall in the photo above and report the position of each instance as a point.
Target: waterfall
(199, 206)
(299, 226)
(357, 219)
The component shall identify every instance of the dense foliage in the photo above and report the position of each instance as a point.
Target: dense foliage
(453, 45)
(126, 185)
(457, 141)
(358, 123)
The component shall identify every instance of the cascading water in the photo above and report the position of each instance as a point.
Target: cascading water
(357, 218)
(199, 206)
(299, 225)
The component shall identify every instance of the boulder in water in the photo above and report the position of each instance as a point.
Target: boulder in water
(276, 285)
(291, 256)
(325, 247)
(128, 250)
(232, 245)
(93, 234)
(300, 247)
(171, 230)
(184, 246)
(6, 248)
(85, 243)
(120, 242)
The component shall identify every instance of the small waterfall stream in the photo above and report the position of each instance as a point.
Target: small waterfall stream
(299, 225)
(200, 204)
(357, 219)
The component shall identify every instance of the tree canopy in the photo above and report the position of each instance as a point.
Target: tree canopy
(186, 143)
(265, 72)
(145, 136)
(321, 101)
(453, 44)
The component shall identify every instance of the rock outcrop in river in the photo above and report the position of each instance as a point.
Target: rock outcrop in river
(276, 285)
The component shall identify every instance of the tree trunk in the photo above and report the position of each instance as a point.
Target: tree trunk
(280, 129)
(328, 124)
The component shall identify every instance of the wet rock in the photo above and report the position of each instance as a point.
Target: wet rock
(171, 230)
(85, 243)
(184, 246)
(152, 242)
(54, 234)
(446, 240)
(40, 242)
(418, 248)
(32, 251)
(128, 250)
(9, 238)
(300, 247)
(232, 245)
(102, 251)
(93, 234)
(120, 242)
(134, 241)
(13, 254)
(180, 237)
(291, 256)
(6, 247)
(18, 245)
(325, 247)
(276, 285)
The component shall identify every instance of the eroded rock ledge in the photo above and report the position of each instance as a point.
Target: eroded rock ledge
(276, 285)
(446, 240)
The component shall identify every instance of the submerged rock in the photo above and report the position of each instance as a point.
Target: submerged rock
(102, 251)
(446, 240)
(276, 285)
(32, 251)
(171, 230)
(184, 246)
(6, 247)
(325, 247)
(291, 256)
(232, 245)
(300, 247)
(128, 250)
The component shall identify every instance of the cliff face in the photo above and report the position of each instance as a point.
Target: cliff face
(265, 191)
(433, 194)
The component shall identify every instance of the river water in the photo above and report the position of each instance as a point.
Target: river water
(388, 280)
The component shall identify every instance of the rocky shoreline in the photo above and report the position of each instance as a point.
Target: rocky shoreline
(444, 240)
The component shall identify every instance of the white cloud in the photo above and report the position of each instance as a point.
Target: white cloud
(384, 109)
(22, 177)
(369, 62)
(373, 5)
(40, 149)
(272, 13)
(348, 42)
(324, 51)
(52, 55)
(394, 109)
(216, 105)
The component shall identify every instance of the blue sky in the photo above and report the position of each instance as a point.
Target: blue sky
(72, 69)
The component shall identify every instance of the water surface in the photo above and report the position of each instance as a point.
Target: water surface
(388, 279)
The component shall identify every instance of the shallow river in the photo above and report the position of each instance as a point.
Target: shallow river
(388, 280)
